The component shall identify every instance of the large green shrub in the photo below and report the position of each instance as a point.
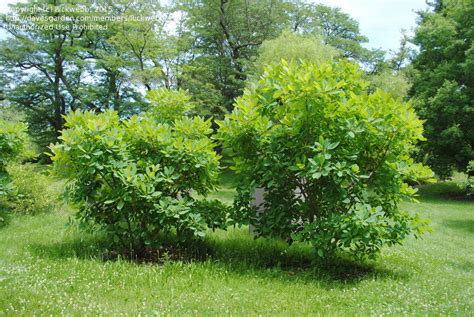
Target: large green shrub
(333, 160)
(135, 177)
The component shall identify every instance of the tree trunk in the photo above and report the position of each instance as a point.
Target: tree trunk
(114, 91)
(59, 102)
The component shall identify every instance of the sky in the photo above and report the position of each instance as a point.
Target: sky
(380, 20)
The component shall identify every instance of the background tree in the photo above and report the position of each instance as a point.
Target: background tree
(142, 41)
(44, 81)
(110, 85)
(56, 66)
(333, 159)
(207, 47)
(335, 27)
(227, 35)
(292, 46)
(443, 84)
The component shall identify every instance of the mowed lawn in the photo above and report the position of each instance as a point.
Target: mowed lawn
(47, 268)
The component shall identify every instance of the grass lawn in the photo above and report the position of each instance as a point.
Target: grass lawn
(47, 268)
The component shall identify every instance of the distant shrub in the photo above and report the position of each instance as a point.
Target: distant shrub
(29, 190)
(334, 160)
(13, 139)
(135, 177)
(470, 178)
(20, 190)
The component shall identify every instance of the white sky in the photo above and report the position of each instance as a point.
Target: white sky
(380, 20)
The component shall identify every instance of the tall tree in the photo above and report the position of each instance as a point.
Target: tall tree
(126, 55)
(227, 35)
(443, 84)
(57, 62)
(142, 41)
(39, 53)
(337, 28)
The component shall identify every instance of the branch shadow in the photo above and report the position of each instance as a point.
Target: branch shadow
(447, 191)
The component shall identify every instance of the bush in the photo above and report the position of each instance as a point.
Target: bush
(29, 191)
(135, 177)
(333, 159)
(13, 141)
(13, 138)
(167, 105)
(470, 178)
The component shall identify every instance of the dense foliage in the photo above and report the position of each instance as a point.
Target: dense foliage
(443, 84)
(30, 191)
(470, 178)
(292, 46)
(13, 138)
(52, 66)
(333, 160)
(13, 141)
(135, 178)
(330, 149)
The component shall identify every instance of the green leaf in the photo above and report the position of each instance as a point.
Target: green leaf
(332, 146)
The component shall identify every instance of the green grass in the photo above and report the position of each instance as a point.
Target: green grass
(49, 269)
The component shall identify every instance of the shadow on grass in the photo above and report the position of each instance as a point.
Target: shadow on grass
(239, 254)
(444, 190)
(5, 216)
(463, 225)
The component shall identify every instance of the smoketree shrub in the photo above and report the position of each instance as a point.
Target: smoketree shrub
(334, 161)
(134, 178)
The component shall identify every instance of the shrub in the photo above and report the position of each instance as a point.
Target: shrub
(470, 178)
(13, 141)
(168, 105)
(29, 191)
(13, 138)
(333, 159)
(135, 177)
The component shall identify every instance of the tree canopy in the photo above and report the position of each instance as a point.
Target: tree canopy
(213, 49)
(207, 47)
(443, 84)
